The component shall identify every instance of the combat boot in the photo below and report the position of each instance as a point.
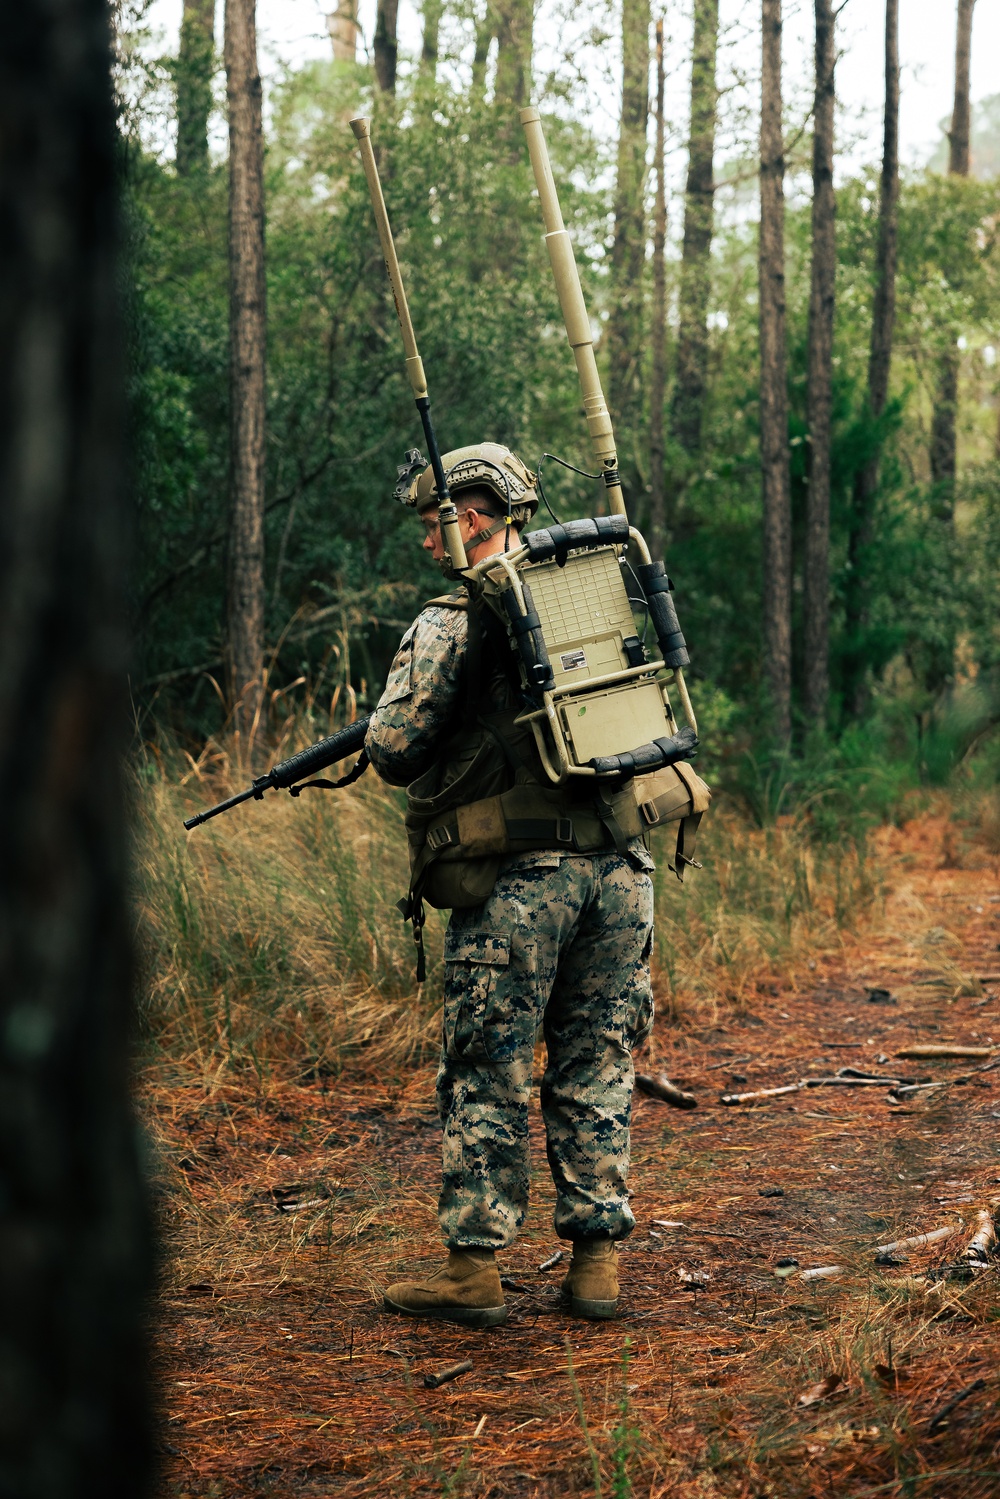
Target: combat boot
(466, 1289)
(591, 1285)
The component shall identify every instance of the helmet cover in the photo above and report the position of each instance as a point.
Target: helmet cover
(484, 465)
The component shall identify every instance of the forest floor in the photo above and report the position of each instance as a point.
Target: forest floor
(286, 1207)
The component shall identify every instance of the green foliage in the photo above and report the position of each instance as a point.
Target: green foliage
(344, 574)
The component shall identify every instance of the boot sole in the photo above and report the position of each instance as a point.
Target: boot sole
(594, 1311)
(466, 1316)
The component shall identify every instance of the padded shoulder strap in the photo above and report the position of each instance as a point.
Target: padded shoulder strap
(459, 600)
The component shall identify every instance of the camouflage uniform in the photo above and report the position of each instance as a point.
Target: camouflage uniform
(563, 944)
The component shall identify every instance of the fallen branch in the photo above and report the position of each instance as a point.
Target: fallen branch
(823, 1272)
(732, 1098)
(916, 1241)
(445, 1376)
(663, 1089)
(939, 1418)
(946, 1051)
(552, 1260)
(977, 1252)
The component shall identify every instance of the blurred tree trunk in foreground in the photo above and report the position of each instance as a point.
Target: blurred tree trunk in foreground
(777, 588)
(696, 254)
(820, 378)
(946, 399)
(247, 341)
(862, 522)
(194, 85)
(658, 377)
(384, 46)
(626, 341)
(74, 1419)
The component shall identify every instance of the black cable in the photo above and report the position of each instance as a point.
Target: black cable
(541, 488)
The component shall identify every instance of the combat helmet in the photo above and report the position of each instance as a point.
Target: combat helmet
(483, 465)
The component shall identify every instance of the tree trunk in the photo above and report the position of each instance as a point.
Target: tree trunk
(486, 30)
(773, 387)
(384, 47)
(247, 334)
(74, 1248)
(696, 255)
(432, 29)
(820, 377)
(628, 252)
(658, 379)
(958, 135)
(943, 442)
(862, 523)
(195, 65)
(342, 25)
(515, 26)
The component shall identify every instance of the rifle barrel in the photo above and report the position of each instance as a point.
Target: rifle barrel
(296, 768)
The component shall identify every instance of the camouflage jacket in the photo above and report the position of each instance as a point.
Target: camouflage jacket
(424, 695)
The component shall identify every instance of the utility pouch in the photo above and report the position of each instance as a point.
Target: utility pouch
(674, 794)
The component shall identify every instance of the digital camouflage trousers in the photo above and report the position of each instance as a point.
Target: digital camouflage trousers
(562, 943)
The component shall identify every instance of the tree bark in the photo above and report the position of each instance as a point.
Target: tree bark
(862, 522)
(628, 252)
(195, 65)
(943, 440)
(342, 25)
(486, 30)
(247, 335)
(658, 379)
(74, 1251)
(696, 255)
(515, 25)
(777, 587)
(384, 46)
(820, 376)
(432, 30)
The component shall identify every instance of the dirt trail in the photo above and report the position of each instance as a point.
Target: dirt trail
(285, 1213)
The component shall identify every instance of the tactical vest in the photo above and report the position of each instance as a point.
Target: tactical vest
(487, 797)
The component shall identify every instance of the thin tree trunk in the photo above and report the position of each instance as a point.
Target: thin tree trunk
(514, 32)
(194, 85)
(432, 30)
(247, 333)
(943, 441)
(820, 377)
(384, 46)
(486, 30)
(862, 524)
(658, 380)
(696, 255)
(74, 1250)
(342, 25)
(628, 252)
(773, 386)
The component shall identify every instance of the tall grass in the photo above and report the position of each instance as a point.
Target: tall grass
(270, 935)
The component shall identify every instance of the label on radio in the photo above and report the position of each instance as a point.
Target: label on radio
(572, 660)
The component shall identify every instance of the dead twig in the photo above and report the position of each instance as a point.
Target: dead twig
(939, 1417)
(552, 1260)
(445, 1376)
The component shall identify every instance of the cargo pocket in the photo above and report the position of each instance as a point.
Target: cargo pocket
(475, 964)
(639, 1020)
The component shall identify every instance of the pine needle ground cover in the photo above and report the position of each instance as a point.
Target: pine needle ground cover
(294, 1153)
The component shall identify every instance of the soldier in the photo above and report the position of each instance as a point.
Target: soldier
(556, 936)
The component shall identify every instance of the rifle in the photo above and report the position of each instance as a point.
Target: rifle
(286, 775)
